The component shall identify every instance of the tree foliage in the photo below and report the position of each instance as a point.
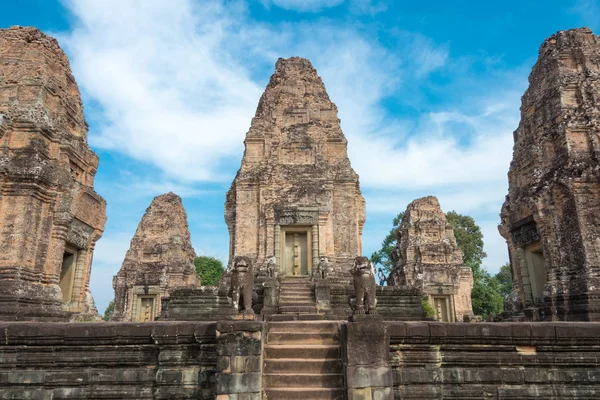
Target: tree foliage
(489, 292)
(504, 277)
(110, 309)
(468, 237)
(209, 269)
(382, 256)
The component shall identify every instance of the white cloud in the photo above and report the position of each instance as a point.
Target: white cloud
(170, 92)
(368, 7)
(302, 5)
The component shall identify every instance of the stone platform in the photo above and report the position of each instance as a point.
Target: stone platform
(292, 298)
(299, 359)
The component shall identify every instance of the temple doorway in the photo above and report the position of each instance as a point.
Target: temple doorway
(296, 252)
(146, 310)
(67, 274)
(442, 309)
(534, 258)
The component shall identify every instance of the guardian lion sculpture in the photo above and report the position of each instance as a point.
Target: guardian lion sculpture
(364, 286)
(242, 284)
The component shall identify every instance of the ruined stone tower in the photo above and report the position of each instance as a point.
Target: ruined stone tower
(428, 257)
(160, 258)
(551, 216)
(296, 196)
(50, 215)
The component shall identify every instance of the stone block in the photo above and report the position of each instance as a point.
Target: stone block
(239, 326)
(360, 394)
(26, 377)
(367, 376)
(386, 393)
(238, 364)
(512, 375)
(417, 330)
(65, 378)
(170, 377)
(367, 343)
(253, 363)
(238, 383)
(223, 364)
(238, 345)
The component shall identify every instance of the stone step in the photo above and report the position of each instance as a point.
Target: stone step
(296, 298)
(296, 317)
(302, 365)
(296, 290)
(301, 351)
(333, 381)
(332, 327)
(292, 303)
(298, 309)
(301, 393)
(302, 338)
(296, 284)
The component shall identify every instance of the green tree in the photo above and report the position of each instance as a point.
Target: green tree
(110, 309)
(504, 277)
(486, 297)
(468, 237)
(382, 257)
(209, 269)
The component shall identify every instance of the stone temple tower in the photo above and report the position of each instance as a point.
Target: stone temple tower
(159, 259)
(296, 196)
(50, 215)
(551, 216)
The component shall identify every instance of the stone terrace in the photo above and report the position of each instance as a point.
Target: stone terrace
(185, 360)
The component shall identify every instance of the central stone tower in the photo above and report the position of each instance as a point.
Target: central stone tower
(296, 197)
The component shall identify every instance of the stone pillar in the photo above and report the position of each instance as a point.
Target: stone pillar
(315, 247)
(271, 297)
(366, 348)
(277, 250)
(323, 294)
(239, 359)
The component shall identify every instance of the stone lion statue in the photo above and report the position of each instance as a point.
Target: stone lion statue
(364, 286)
(322, 269)
(242, 284)
(272, 270)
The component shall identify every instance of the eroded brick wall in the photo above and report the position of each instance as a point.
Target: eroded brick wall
(178, 360)
(433, 360)
(162, 360)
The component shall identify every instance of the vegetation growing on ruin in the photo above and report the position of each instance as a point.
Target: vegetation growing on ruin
(427, 309)
(209, 269)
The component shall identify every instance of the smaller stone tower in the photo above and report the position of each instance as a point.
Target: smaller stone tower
(428, 257)
(160, 258)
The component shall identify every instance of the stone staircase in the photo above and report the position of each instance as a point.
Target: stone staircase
(302, 360)
(297, 296)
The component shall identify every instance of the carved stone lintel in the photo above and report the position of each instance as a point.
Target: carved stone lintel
(525, 233)
(296, 217)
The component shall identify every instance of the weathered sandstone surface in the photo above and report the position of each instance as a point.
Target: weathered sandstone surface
(50, 215)
(160, 258)
(296, 196)
(427, 256)
(551, 216)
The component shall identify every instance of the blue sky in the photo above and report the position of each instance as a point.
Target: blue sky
(428, 94)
